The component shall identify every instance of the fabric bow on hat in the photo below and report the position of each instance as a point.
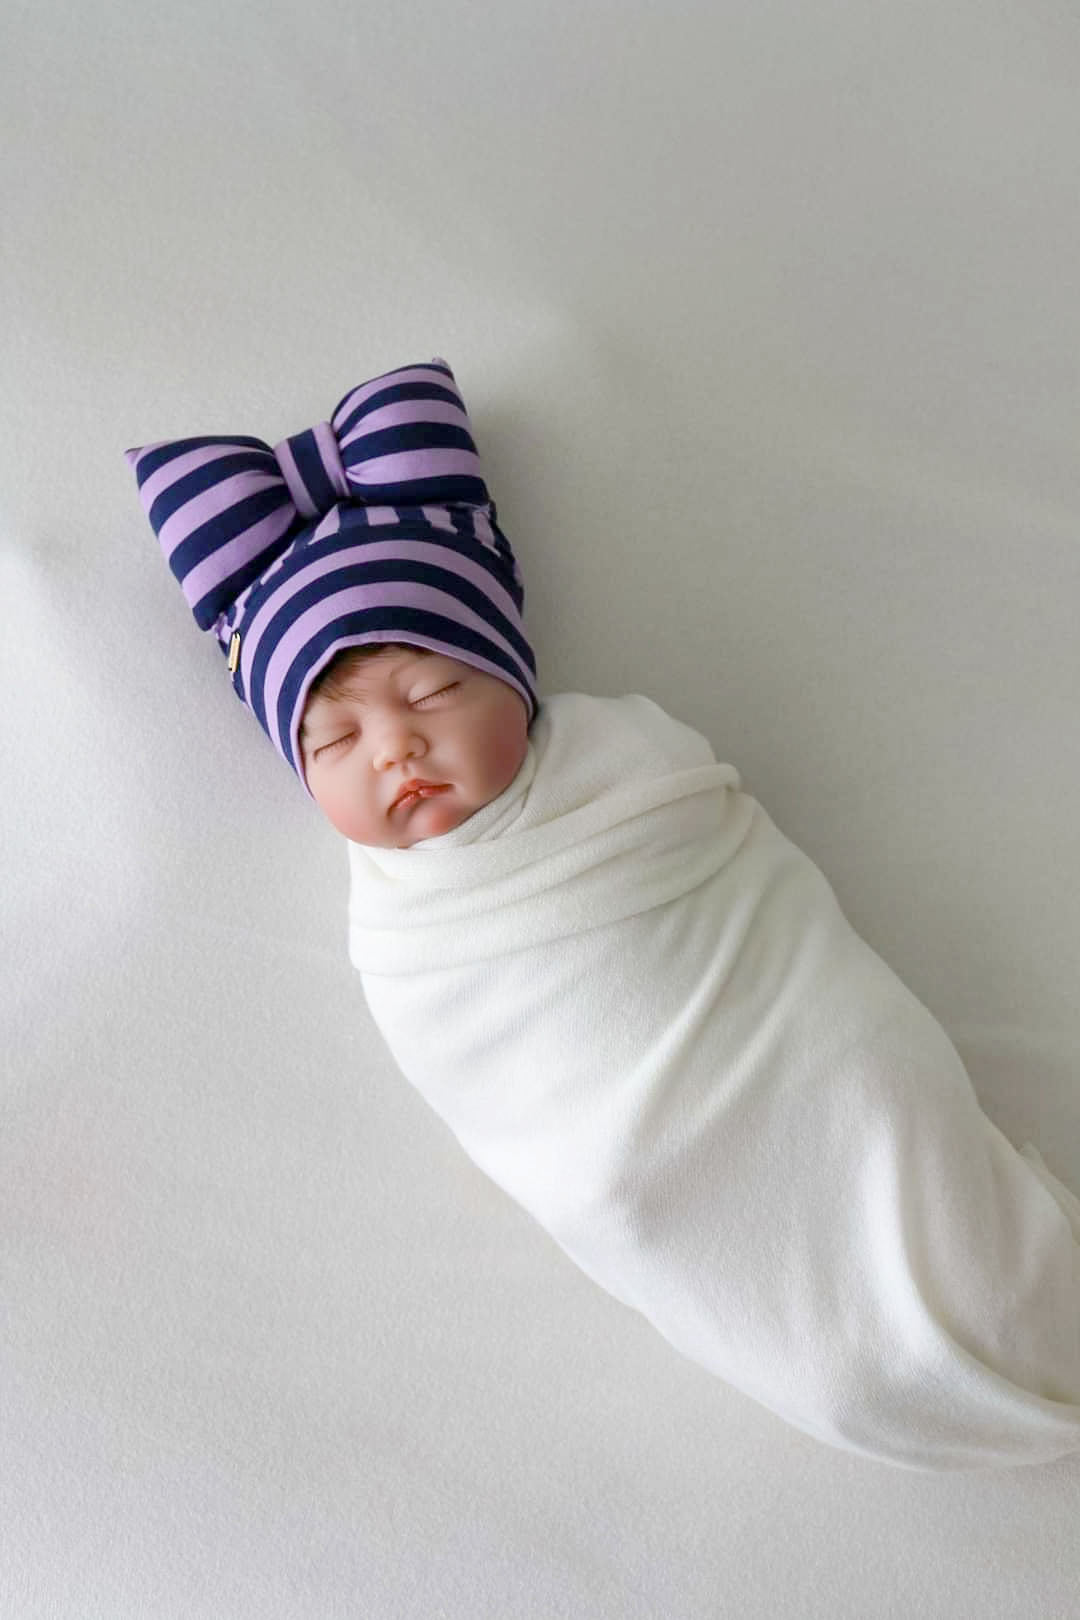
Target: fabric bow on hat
(224, 506)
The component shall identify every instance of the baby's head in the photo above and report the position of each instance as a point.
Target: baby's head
(377, 717)
(357, 579)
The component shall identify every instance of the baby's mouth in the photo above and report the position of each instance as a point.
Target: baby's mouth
(416, 794)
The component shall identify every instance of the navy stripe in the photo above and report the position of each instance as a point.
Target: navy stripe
(224, 593)
(439, 491)
(302, 549)
(387, 377)
(224, 527)
(312, 470)
(200, 479)
(153, 459)
(392, 395)
(405, 436)
(500, 563)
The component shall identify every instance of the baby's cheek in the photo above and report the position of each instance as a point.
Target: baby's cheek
(344, 812)
(509, 755)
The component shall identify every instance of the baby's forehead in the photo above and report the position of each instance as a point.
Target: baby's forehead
(370, 679)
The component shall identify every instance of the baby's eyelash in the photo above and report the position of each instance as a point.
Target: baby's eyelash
(439, 693)
(327, 746)
(324, 748)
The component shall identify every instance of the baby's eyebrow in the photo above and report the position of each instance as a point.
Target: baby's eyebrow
(328, 720)
(317, 722)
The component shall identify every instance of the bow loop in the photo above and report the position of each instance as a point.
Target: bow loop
(225, 508)
(222, 511)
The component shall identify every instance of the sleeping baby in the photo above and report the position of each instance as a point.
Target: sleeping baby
(637, 1005)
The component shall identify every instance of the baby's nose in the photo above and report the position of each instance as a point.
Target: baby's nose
(397, 743)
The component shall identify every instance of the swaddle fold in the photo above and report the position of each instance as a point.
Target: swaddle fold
(641, 1011)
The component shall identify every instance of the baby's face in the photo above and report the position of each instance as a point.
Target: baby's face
(408, 716)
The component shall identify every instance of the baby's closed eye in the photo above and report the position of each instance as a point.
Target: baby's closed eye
(439, 693)
(346, 736)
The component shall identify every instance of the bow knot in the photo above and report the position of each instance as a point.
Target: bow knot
(313, 471)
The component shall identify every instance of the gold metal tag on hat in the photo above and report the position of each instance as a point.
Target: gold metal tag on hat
(234, 652)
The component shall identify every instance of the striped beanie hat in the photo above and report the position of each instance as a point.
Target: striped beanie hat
(374, 526)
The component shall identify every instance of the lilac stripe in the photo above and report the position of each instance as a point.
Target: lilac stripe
(330, 459)
(210, 503)
(408, 374)
(330, 524)
(379, 515)
(330, 453)
(482, 527)
(298, 490)
(180, 466)
(439, 518)
(397, 593)
(230, 558)
(411, 465)
(377, 551)
(373, 551)
(405, 411)
(234, 612)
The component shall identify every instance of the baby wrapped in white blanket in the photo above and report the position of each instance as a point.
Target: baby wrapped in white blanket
(642, 1013)
(636, 1004)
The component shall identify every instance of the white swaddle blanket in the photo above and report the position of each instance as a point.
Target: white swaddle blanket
(641, 1011)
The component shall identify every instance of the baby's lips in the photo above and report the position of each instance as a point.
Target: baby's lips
(408, 799)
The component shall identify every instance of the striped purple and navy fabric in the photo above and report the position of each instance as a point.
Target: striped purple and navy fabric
(374, 526)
